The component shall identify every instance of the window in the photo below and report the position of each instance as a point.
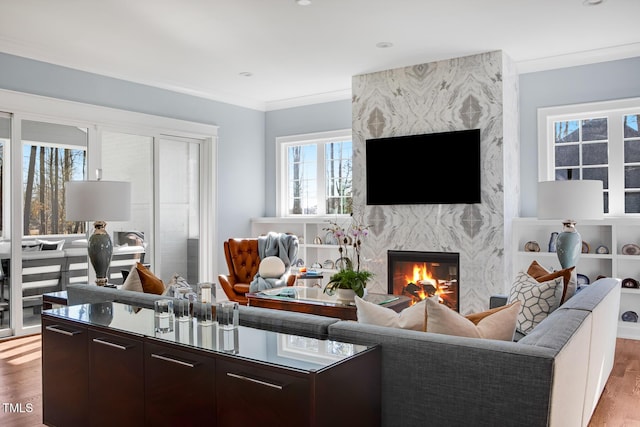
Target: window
(598, 141)
(52, 154)
(315, 174)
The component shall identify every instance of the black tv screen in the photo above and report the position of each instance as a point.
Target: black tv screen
(434, 168)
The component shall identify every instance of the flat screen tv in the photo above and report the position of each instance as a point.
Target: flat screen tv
(433, 168)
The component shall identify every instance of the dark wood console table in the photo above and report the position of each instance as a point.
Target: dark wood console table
(103, 365)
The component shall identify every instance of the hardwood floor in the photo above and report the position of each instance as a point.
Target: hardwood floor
(619, 405)
(21, 382)
(21, 390)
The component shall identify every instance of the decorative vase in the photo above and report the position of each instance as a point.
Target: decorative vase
(345, 296)
(100, 250)
(568, 245)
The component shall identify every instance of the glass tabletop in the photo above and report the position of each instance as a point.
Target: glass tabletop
(260, 345)
(316, 295)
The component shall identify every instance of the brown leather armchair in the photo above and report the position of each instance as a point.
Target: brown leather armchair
(243, 261)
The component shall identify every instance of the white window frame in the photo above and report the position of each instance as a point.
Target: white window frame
(614, 111)
(282, 143)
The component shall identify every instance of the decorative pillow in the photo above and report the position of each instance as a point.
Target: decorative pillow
(47, 245)
(150, 283)
(31, 247)
(496, 324)
(411, 317)
(475, 318)
(569, 277)
(132, 282)
(271, 267)
(538, 299)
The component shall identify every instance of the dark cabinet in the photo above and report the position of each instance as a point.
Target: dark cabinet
(65, 373)
(116, 386)
(115, 371)
(275, 396)
(179, 386)
(250, 393)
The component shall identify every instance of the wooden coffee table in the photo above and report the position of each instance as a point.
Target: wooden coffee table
(323, 305)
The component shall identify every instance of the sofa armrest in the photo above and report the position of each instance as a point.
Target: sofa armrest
(497, 301)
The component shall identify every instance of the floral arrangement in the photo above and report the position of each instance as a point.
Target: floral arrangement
(350, 246)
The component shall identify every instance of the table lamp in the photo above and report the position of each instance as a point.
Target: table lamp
(98, 201)
(570, 201)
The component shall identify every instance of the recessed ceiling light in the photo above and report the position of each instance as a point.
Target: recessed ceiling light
(303, 2)
(384, 45)
(245, 74)
(592, 2)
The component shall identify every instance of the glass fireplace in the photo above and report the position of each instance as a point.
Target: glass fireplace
(419, 275)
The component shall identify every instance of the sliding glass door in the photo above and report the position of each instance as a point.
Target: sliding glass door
(169, 223)
(172, 225)
(5, 222)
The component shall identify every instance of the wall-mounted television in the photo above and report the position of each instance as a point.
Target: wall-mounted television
(433, 168)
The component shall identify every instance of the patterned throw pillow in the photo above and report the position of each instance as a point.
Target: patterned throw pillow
(538, 299)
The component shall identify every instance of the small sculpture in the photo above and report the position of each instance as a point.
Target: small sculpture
(532, 246)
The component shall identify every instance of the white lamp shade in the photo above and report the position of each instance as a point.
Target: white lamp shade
(575, 200)
(98, 201)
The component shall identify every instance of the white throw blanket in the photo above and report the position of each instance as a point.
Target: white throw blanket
(285, 247)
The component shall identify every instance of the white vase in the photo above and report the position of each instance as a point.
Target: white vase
(345, 296)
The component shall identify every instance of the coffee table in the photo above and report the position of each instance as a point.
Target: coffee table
(313, 301)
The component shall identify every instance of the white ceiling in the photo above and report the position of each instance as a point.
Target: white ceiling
(305, 54)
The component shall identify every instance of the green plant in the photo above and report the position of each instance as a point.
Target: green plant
(349, 279)
(350, 238)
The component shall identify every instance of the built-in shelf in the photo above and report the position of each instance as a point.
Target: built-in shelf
(612, 233)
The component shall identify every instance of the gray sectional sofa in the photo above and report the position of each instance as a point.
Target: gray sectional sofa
(552, 377)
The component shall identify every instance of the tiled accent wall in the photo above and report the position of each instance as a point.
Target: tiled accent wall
(478, 91)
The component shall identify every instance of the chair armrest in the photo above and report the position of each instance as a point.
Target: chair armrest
(226, 284)
(497, 301)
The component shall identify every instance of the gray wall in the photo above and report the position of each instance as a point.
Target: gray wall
(588, 83)
(241, 148)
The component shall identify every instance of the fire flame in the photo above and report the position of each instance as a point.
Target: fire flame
(421, 275)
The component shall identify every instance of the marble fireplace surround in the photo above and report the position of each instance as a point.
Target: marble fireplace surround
(478, 91)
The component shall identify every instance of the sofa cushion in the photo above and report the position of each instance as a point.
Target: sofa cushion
(140, 279)
(569, 277)
(538, 299)
(49, 245)
(411, 317)
(497, 324)
(133, 282)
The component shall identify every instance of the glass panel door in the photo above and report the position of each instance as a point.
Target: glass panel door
(179, 208)
(128, 157)
(5, 221)
(51, 155)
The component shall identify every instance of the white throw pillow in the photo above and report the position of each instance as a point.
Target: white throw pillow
(133, 282)
(499, 325)
(51, 245)
(538, 299)
(373, 314)
(271, 267)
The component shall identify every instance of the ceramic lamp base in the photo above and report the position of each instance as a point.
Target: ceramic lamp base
(100, 251)
(569, 245)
